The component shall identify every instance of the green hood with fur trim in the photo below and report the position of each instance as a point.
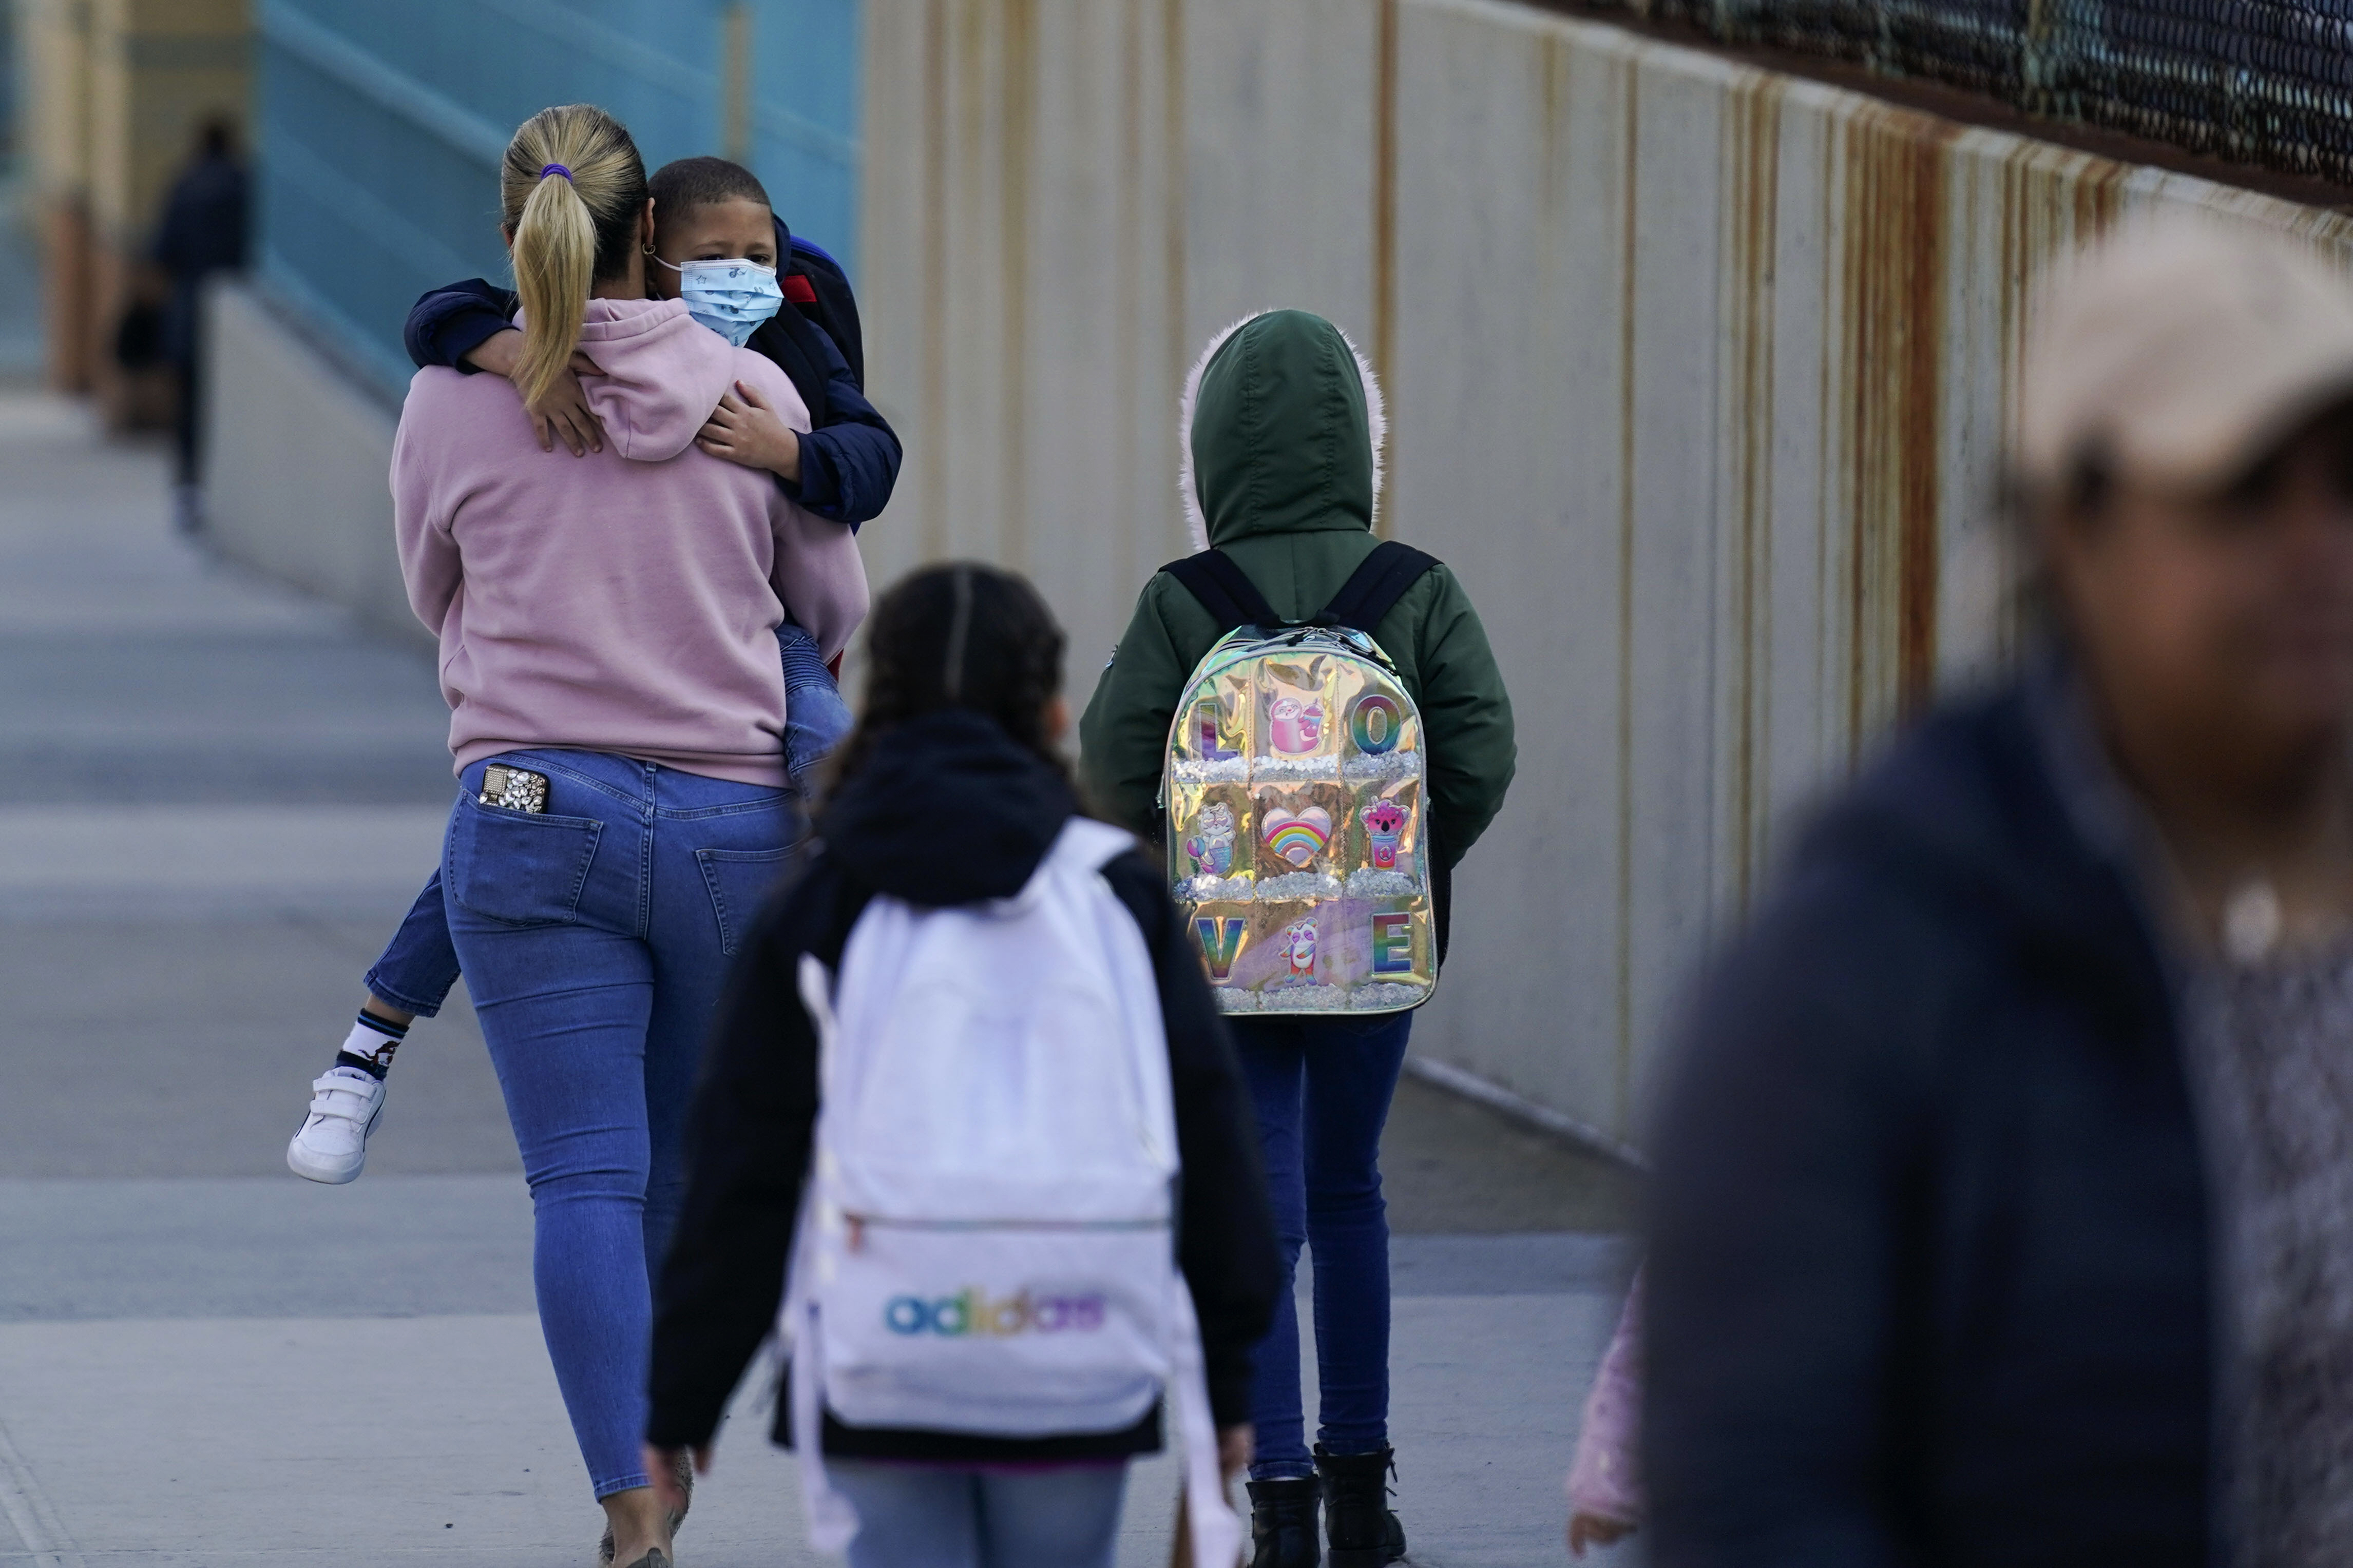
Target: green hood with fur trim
(1285, 427)
(1282, 431)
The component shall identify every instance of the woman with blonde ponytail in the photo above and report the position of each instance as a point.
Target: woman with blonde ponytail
(609, 653)
(563, 166)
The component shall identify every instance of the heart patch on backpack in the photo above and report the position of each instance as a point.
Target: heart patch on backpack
(1296, 836)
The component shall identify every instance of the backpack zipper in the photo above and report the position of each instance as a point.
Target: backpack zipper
(858, 1224)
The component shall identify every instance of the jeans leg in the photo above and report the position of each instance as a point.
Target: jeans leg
(546, 913)
(719, 847)
(564, 1010)
(188, 381)
(1272, 1067)
(816, 718)
(911, 1516)
(1065, 1517)
(1352, 1074)
(421, 965)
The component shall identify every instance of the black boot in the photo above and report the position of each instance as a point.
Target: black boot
(1282, 1524)
(1364, 1533)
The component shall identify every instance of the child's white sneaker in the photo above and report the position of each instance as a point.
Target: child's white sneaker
(333, 1145)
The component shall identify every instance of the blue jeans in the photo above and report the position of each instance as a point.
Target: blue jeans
(596, 937)
(419, 967)
(927, 1516)
(816, 718)
(1321, 1089)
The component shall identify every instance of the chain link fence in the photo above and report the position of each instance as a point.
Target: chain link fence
(2268, 82)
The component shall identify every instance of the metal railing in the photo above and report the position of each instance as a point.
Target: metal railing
(2267, 82)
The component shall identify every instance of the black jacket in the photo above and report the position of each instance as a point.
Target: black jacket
(849, 458)
(202, 232)
(1931, 1271)
(948, 810)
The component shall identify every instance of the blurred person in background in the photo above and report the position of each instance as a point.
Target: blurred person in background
(202, 232)
(2004, 1207)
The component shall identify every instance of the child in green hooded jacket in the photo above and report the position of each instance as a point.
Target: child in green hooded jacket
(1282, 469)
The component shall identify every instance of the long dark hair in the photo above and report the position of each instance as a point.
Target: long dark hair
(961, 634)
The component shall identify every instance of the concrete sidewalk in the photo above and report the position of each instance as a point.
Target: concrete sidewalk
(164, 1437)
(217, 798)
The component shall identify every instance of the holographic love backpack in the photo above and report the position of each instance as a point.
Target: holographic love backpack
(1293, 791)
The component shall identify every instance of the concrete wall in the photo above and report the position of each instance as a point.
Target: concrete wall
(382, 127)
(298, 458)
(1697, 376)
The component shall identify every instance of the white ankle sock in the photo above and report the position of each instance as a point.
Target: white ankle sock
(373, 1040)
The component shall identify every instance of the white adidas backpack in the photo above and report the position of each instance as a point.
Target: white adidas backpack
(987, 1245)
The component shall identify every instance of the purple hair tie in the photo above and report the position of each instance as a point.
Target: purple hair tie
(547, 169)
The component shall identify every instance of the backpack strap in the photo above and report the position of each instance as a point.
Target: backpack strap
(1089, 846)
(1373, 590)
(1224, 590)
(828, 306)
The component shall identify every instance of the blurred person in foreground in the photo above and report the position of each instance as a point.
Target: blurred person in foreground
(2005, 1197)
(202, 232)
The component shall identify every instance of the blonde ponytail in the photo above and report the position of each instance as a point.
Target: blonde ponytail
(572, 186)
(555, 267)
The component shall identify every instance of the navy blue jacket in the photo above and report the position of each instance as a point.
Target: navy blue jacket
(849, 458)
(202, 232)
(1930, 1279)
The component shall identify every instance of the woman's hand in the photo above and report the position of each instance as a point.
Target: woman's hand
(744, 429)
(661, 1465)
(1595, 1529)
(563, 410)
(1235, 1446)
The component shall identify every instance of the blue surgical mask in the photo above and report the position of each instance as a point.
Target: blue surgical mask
(731, 297)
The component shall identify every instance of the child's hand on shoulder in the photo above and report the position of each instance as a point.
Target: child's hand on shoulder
(745, 429)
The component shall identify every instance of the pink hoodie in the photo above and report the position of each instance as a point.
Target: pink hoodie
(626, 601)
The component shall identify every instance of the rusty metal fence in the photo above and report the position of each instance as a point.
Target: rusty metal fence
(2268, 82)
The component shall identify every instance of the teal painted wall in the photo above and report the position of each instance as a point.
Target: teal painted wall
(380, 129)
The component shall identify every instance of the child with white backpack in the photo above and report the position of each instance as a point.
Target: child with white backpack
(971, 1134)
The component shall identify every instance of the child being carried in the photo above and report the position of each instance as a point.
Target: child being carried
(720, 250)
